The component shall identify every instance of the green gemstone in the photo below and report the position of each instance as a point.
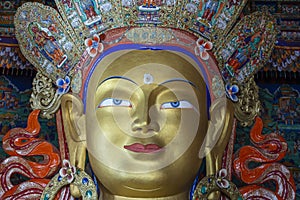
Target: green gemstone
(89, 194)
(46, 196)
(240, 198)
(204, 190)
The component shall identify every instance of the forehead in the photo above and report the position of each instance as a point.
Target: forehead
(158, 65)
(161, 64)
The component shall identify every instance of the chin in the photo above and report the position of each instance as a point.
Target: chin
(172, 180)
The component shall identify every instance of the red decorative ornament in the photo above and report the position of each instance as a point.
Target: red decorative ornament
(267, 151)
(20, 143)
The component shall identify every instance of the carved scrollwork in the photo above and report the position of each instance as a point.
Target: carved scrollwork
(248, 105)
(266, 151)
(44, 96)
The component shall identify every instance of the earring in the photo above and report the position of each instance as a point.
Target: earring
(218, 182)
(69, 174)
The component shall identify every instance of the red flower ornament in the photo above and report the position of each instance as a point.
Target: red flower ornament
(67, 171)
(202, 47)
(93, 45)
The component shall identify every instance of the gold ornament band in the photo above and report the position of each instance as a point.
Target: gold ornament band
(70, 175)
(214, 183)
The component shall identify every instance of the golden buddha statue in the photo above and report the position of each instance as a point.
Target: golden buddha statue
(145, 120)
(148, 103)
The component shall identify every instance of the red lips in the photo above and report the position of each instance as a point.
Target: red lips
(141, 148)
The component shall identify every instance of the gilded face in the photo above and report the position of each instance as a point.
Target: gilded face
(146, 119)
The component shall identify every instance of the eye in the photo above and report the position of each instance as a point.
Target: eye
(176, 104)
(111, 102)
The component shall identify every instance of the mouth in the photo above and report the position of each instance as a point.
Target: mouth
(141, 148)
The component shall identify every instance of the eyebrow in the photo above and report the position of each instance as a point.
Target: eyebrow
(168, 81)
(118, 77)
(182, 80)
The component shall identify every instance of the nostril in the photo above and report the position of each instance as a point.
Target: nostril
(145, 127)
(140, 127)
(137, 125)
(137, 128)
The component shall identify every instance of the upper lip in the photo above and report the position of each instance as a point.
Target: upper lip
(142, 148)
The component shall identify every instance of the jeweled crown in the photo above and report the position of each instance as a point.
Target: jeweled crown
(60, 44)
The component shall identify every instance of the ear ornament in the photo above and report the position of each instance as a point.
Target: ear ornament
(217, 182)
(69, 174)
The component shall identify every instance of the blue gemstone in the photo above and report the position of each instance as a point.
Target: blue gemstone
(89, 194)
(240, 198)
(204, 190)
(209, 180)
(59, 178)
(85, 181)
(46, 196)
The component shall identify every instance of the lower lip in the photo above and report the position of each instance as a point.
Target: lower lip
(140, 148)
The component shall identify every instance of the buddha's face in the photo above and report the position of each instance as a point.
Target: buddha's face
(146, 119)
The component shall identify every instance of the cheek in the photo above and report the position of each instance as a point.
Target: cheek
(189, 127)
(169, 123)
(92, 124)
(180, 128)
(114, 124)
(92, 131)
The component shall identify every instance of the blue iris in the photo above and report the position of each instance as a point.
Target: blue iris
(117, 101)
(175, 104)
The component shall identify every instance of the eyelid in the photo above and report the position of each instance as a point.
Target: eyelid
(183, 104)
(113, 102)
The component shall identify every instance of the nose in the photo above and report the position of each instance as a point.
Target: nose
(144, 127)
(145, 120)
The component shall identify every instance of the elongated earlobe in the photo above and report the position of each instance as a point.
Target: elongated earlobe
(217, 137)
(218, 134)
(75, 132)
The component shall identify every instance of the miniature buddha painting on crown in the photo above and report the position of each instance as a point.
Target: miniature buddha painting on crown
(146, 95)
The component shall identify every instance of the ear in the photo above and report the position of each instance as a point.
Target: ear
(218, 134)
(75, 132)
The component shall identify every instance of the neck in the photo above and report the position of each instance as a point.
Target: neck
(181, 196)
